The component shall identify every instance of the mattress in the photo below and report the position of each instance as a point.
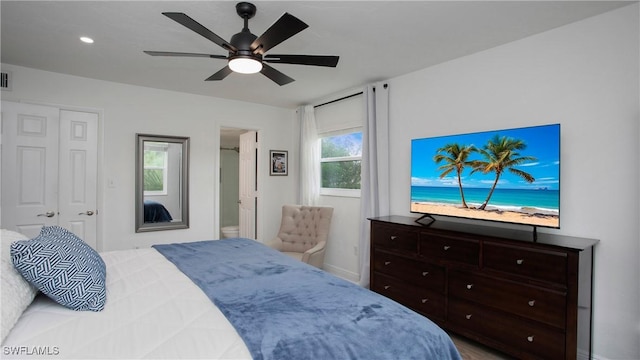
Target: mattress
(153, 311)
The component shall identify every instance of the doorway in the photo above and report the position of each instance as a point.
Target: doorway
(238, 185)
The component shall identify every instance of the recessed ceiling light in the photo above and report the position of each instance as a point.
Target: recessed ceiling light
(87, 40)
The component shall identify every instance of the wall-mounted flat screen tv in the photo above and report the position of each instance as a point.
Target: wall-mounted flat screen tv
(510, 176)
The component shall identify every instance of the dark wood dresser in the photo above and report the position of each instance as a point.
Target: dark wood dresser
(497, 286)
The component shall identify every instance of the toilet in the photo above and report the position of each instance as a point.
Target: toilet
(230, 231)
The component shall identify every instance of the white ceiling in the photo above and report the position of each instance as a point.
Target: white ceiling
(375, 40)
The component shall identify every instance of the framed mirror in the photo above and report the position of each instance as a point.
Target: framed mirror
(162, 182)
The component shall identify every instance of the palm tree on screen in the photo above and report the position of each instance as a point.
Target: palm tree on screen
(502, 154)
(455, 157)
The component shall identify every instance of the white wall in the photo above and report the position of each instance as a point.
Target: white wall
(584, 76)
(341, 257)
(127, 110)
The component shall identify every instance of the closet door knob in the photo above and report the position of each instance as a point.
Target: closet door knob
(48, 214)
(446, 247)
(520, 261)
(532, 302)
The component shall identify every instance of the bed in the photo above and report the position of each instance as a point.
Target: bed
(224, 299)
(155, 212)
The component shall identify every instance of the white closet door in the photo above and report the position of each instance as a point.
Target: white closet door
(78, 174)
(29, 167)
(49, 170)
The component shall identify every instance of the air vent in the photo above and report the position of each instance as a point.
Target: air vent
(5, 80)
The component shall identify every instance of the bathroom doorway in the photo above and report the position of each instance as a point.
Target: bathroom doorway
(236, 218)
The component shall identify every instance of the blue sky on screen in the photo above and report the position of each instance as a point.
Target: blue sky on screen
(543, 143)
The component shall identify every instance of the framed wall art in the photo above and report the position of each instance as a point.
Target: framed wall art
(279, 163)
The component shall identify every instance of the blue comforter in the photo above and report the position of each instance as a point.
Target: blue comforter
(285, 309)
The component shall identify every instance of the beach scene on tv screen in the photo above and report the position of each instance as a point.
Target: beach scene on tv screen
(510, 175)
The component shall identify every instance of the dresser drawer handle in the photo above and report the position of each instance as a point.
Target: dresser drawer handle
(530, 338)
(424, 301)
(393, 237)
(520, 261)
(387, 287)
(387, 263)
(425, 273)
(446, 247)
(469, 286)
(532, 302)
(468, 316)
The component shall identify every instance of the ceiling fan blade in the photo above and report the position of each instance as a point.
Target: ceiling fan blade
(221, 74)
(188, 22)
(275, 75)
(315, 60)
(183, 54)
(284, 28)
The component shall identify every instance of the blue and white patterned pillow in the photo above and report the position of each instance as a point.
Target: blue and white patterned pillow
(63, 267)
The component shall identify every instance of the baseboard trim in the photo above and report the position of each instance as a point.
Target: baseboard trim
(342, 273)
(584, 355)
(593, 357)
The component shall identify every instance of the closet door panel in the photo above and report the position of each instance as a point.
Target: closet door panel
(78, 174)
(29, 167)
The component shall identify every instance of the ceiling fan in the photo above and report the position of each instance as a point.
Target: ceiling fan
(247, 51)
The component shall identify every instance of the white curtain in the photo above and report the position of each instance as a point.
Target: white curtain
(309, 157)
(375, 169)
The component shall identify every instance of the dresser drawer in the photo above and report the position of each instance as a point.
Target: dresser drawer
(416, 272)
(443, 247)
(545, 265)
(525, 338)
(527, 301)
(427, 302)
(394, 237)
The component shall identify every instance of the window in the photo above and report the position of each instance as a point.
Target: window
(340, 162)
(155, 168)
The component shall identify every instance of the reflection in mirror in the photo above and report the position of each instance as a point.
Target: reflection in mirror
(162, 181)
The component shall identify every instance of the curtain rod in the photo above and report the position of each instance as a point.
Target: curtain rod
(340, 99)
(346, 97)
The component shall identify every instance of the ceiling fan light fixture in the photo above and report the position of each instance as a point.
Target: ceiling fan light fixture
(245, 65)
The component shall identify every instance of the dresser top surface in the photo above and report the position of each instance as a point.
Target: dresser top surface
(577, 243)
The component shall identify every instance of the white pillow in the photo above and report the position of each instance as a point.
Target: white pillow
(17, 293)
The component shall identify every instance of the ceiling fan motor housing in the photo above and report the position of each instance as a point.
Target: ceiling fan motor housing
(242, 41)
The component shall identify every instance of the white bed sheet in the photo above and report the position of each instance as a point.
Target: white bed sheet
(153, 311)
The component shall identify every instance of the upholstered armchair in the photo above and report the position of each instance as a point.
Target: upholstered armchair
(303, 233)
